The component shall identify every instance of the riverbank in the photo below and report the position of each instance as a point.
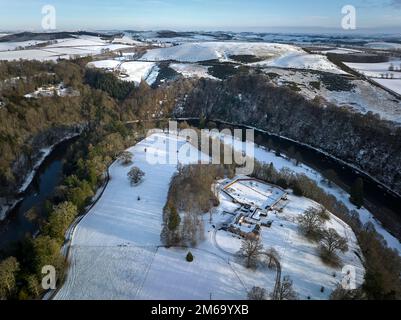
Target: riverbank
(21, 219)
(7, 205)
(66, 248)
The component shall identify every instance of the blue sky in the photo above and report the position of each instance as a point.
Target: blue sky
(199, 14)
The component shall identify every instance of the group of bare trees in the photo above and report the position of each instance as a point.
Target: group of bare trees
(285, 292)
(312, 224)
(380, 280)
(251, 250)
(135, 175)
(190, 194)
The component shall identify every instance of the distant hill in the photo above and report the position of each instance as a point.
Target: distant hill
(47, 36)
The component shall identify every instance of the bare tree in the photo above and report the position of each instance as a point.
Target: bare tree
(311, 223)
(272, 257)
(135, 175)
(332, 242)
(257, 293)
(251, 249)
(125, 158)
(286, 290)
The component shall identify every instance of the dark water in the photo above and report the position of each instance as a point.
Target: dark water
(384, 204)
(18, 224)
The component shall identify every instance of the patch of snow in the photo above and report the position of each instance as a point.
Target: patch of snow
(10, 46)
(392, 84)
(340, 51)
(376, 70)
(302, 61)
(192, 70)
(128, 41)
(136, 71)
(105, 64)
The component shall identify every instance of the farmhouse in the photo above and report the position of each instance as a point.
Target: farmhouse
(256, 198)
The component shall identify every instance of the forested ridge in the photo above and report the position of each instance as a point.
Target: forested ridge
(27, 125)
(372, 144)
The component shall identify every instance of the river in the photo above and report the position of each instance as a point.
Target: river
(18, 222)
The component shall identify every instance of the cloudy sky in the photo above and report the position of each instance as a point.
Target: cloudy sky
(263, 15)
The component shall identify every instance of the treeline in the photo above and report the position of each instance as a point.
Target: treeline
(382, 264)
(190, 195)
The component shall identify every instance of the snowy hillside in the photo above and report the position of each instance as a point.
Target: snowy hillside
(134, 71)
(203, 51)
(363, 98)
(302, 61)
(270, 54)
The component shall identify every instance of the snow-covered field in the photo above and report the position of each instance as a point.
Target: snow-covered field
(376, 70)
(392, 84)
(9, 46)
(137, 71)
(340, 51)
(119, 223)
(105, 64)
(131, 70)
(115, 254)
(302, 61)
(191, 70)
(384, 45)
(63, 48)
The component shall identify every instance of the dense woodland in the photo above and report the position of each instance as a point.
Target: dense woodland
(27, 125)
(100, 113)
